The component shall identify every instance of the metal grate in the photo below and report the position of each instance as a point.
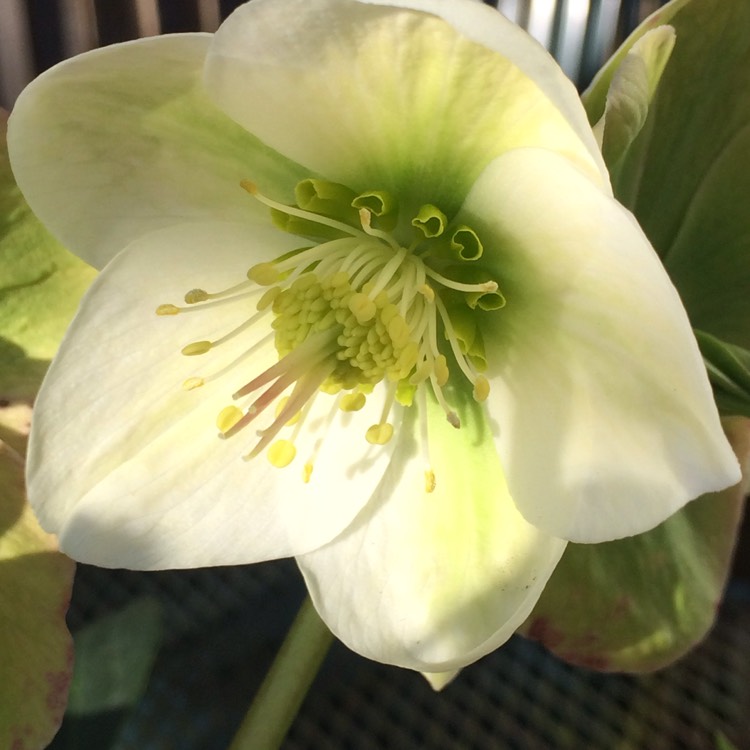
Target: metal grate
(224, 625)
(36, 34)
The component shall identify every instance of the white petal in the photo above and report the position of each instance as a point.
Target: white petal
(484, 25)
(127, 467)
(433, 581)
(390, 98)
(607, 421)
(120, 141)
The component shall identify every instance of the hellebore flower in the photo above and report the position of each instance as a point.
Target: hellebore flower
(420, 348)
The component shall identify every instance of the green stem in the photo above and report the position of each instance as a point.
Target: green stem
(284, 688)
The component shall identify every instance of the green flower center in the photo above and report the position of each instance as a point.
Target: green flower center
(379, 297)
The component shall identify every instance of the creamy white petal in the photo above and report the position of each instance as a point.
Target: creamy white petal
(433, 581)
(607, 421)
(120, 141)
(389, 98)
(483, 24)
(128, 467)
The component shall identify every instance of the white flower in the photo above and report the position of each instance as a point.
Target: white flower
(464, 264)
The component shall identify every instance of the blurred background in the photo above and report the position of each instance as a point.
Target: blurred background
(170, 660)
(36, 34)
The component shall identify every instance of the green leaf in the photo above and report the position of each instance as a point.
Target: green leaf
(114, 658)
(40, 285)
(36, 655)
(729, 372)
(633, 87)
(595, 97)
(686, 176)
(639, 603)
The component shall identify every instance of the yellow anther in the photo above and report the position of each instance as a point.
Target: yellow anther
(196, 295)
(379, 434)
(192, 383)
(429, 481)
(281, 453)
(228, 418)
(365, 218)
(197, 347)
(263, 274)
(441, 370)
(279, 407)
(307, 471)
(250, 186)
(352, 401)
(167, 310)
(388, 313)
(427, 291)
(481, 388)
(405, 393)
(340, 278)
(421, 373)
(268, 298)
(362, 307)
(398, 330)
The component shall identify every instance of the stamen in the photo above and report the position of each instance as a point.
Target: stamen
(321, 344)
(365, 218)
(201, 295)
(201, 347)
(197, 347)
(280, 406)
(304, 389)
(352, 401)
(170, 309)
(252, 188)
(427, 291)
(450, 415)
(227, 418)
(481, 389)
(307, 470)
(224, 370)
(167, 310)
(424, 443)
(483, 288)
(281, 453)
(381, 433)
(387, 273)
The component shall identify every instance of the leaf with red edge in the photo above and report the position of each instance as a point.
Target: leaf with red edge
(639, 603)
(36, 650)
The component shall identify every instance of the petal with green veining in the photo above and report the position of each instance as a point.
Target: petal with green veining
(596, 379)
(343, 94)
(120, 141)
(133, 472)
(434, 580)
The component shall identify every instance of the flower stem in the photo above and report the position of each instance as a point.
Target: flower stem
(284, 688)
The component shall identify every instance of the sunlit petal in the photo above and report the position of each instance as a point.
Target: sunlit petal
(607, 421)
(345, 96)
(434, 580)
(113, 144)
(128, 467)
